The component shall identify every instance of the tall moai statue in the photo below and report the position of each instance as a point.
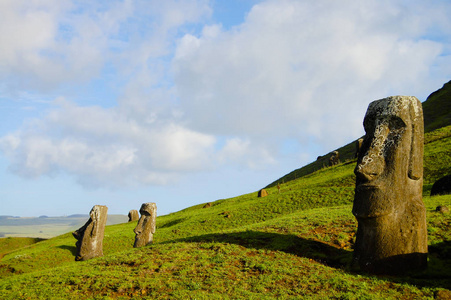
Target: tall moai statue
(146, 225)
(133, 215)
(391, 236)
(90, 236)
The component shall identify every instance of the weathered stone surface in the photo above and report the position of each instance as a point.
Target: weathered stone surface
(334, 158)
(442, 208)
(133, 215)
(146, 227)
(262, 193)
(358, 145)
(90, 236)
(442, 186)
(207, 205)
(391, 236)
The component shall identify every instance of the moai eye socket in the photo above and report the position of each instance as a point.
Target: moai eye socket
(396, 123)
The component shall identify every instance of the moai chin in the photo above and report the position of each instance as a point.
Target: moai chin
(90, 236)
(391, 236)
(133, 215)
(146, 225)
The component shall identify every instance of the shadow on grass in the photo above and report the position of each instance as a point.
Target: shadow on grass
(72, 249)
(172, 223)
(318, 251)
(438, 273)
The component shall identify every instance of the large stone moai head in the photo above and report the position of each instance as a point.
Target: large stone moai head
(90, 236)
(146, 225)
(391, 236)
(133, 215)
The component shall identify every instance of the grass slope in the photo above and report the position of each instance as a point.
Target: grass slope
(288, 245)
(437, 109)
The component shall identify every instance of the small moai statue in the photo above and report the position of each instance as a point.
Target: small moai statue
(358, 145)
(146, 225)
(90, 236)
(133, 215)
(391, 236)
(262, 193)
(334, 159)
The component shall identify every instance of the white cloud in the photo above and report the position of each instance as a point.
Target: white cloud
(46, 44)
(302, 68)
(105, 147)
(245, 154)
(294, 70)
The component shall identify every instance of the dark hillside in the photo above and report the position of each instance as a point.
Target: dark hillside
(436, 112)
(437, 109)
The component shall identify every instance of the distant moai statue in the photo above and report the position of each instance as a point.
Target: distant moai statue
(90, 236)
(262, 193)
(391, 236)
(334, 159)
(133, 215)
(146, 225)
(358, 146)
(278, 187)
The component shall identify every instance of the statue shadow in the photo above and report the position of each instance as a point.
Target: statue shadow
(288, 243)
(72, 249)
(438, 273)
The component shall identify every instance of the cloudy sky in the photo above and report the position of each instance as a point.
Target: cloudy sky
(182, 102)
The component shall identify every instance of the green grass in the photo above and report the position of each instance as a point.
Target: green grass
(302, 254)
(292, 244)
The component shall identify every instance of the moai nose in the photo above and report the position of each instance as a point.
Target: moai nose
(373, 162)
(372, 166)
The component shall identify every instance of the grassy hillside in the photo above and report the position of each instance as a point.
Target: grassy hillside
(288, 245)
(437, 109)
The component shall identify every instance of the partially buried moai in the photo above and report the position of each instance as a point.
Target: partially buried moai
(334, 158)
(133, 215)
(90, 236)
(146, 225)
(391, 236)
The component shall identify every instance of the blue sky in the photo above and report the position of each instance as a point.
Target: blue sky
(184, 102)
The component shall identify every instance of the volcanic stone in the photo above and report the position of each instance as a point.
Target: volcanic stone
(90, 236)
(133, 215)
(391, 236)
(146, 227)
